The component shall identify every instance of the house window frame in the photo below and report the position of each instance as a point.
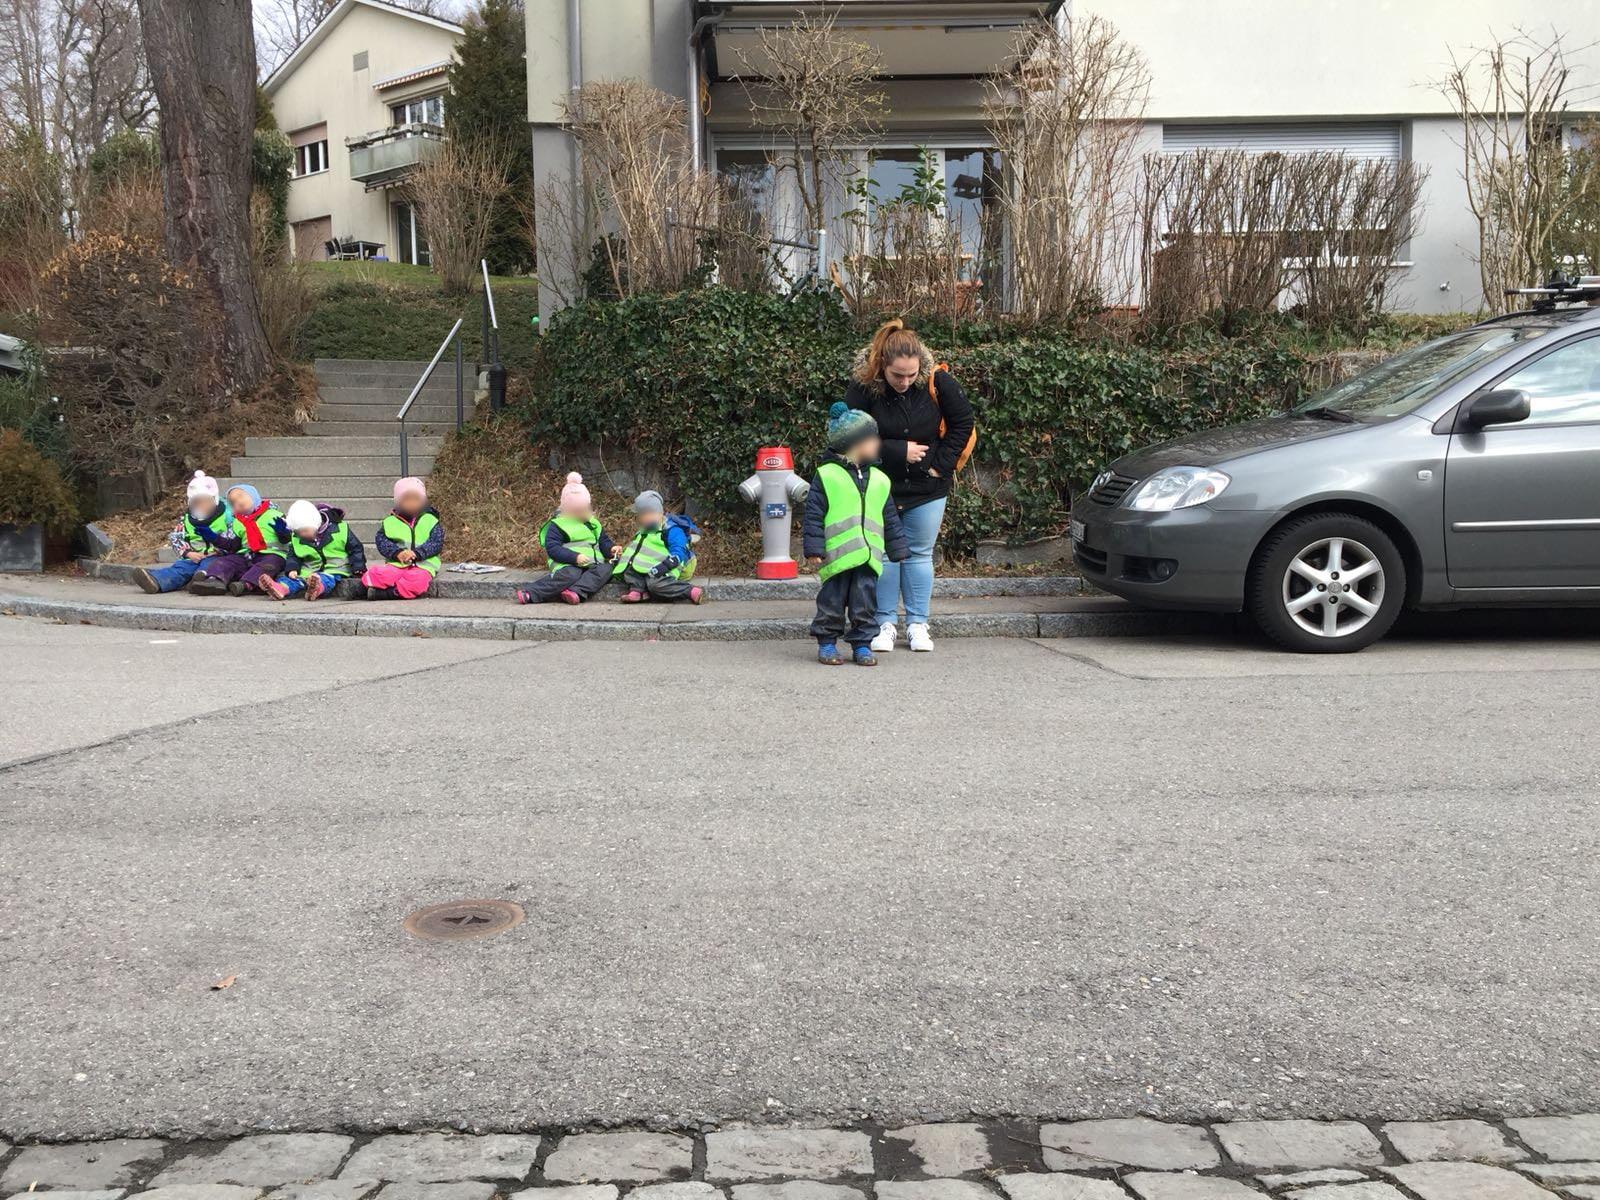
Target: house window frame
(303, 153)
(410, 239)
(399, 107)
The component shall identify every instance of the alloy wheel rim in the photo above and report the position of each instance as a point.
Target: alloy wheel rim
(1333, 587)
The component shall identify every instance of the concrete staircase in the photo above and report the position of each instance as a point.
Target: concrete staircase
(350, 455)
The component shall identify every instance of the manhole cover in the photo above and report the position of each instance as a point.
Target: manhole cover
(462, 919)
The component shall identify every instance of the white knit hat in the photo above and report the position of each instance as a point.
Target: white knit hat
(303, 514)
(202, 485)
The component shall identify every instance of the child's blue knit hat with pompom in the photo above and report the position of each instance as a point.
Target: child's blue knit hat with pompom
(848, 426)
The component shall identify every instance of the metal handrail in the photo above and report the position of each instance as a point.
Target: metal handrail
(490, 343)
(405, 460)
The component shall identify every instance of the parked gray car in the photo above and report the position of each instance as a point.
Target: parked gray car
(1463, 472)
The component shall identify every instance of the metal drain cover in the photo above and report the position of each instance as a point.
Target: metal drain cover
(459, 920)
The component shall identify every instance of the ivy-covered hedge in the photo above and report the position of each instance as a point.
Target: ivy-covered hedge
(699, 380)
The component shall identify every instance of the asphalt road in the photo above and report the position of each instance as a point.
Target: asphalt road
(1084, 877)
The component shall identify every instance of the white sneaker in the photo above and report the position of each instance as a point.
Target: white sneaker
(884, 642)
(917, 635)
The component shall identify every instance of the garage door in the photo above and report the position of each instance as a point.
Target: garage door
(1380, 141)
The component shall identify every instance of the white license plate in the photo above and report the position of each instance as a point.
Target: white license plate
(1076, 530)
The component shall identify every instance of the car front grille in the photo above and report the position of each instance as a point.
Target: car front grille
(1093, 561)
(1112, 490)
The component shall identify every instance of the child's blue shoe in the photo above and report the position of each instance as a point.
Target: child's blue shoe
(864, 657)
(828, 654)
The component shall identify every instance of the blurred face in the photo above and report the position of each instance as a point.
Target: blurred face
(240, 501)
(649, 520)
(578, 512)
(203, 508)
(410, 504)
(902, 372)
(306, 533)
(867, 450)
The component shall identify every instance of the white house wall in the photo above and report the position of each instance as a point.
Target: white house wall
(325, 87)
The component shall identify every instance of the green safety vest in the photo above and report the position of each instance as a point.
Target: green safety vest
(648, 547)
(271, 543)
(330, 559)
(852, 530)
(397, 529)
(583, 537)
(221, 523)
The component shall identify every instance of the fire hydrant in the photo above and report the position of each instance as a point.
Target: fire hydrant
(776, 487)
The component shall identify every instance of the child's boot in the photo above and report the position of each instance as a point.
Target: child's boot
(238, 589)
(146, 580)
(828, 654)
(697, 595)
(569, 596)
(315, 587)
(864, 657)
(631, 596)
(524, 596)
(204, 585)
(273, 588)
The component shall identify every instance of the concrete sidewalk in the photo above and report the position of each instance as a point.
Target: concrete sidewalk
(75, 598)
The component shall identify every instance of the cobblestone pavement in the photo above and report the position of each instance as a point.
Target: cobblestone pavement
(1127, 1159)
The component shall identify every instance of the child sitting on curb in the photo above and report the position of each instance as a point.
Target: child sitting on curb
(263, 554)
(325, 553)
(658, 561)
(411, 540)
(851, 525)
(578, 550)
(206, 529)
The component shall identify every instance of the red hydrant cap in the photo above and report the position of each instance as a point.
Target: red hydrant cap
(774, 458)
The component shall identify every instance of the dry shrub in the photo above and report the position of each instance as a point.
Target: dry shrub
(636, 170)
(1512, 97)
(32, 191)
(127, 205)
(283, 284)
(457, 194)
(1226, 235)
(1067, 125)
(813, 86)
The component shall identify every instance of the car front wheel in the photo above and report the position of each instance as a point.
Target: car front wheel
(1326, 584)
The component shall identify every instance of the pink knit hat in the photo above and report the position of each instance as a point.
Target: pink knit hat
(574, 496)
(409, 484)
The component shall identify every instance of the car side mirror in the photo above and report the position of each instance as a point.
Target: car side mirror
(1503, 406)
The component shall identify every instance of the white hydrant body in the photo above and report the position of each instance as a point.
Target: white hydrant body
(776, 488)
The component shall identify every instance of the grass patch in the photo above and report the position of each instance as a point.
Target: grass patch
(399, 275)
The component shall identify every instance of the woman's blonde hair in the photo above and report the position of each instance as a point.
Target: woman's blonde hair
(893, 340)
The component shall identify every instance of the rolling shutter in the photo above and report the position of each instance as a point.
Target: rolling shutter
(1380, 141)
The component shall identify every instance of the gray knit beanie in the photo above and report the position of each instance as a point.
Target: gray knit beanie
(649, 502)
(848, 426)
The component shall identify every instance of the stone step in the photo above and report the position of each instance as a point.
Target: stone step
(334, 445)
(315, 466)
(392, 398)
(388, 429)
(444, 375)
(332, 488)
(394, 366)
(422, 412)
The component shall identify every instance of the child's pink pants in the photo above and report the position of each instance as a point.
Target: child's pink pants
(410, 582)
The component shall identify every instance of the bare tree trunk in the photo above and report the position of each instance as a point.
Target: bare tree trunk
(203, 64)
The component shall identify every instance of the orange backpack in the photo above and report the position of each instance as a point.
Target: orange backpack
(933, 394)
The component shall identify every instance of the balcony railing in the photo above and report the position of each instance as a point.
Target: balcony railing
(384, 157)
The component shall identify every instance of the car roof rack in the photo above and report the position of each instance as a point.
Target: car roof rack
(1560, 289)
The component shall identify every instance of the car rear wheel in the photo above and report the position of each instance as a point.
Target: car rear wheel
(1327, 584)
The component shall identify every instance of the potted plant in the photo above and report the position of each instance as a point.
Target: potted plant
(33, 497)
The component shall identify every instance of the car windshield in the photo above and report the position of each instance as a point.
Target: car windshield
(1399, 384)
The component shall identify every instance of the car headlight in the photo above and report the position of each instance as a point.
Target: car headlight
(1178, 487)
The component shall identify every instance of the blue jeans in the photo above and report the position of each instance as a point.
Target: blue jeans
(175, 576)
(911, 582)
(296, 586)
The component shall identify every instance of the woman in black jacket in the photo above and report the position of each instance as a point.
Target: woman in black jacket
(896, 381)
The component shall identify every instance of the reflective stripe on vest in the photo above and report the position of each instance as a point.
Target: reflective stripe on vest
(649, 546)
(583, 537)
(852, 529)
(330, 559)
(221, 524)
(413, 536)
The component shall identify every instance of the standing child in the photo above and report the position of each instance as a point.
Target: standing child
(411, 540)
(659, 560)
(325, 552)
(264, 551)
(578, 550)
(206, 530)
(850, 527)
